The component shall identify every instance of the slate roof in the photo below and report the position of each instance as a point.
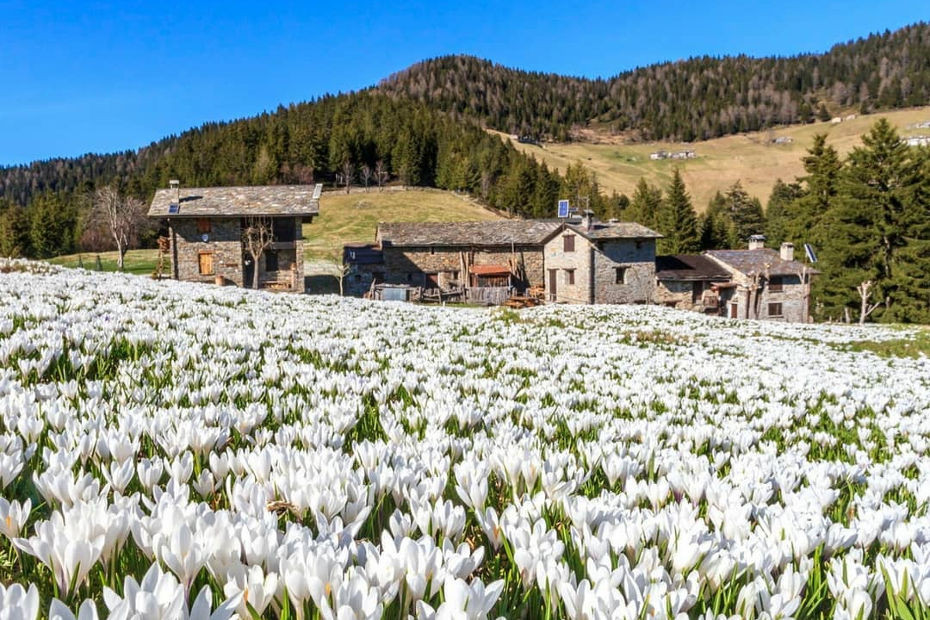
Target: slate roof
(689, 267)
(615, 230)
(491, 233)
(757, 261)
(260, 200)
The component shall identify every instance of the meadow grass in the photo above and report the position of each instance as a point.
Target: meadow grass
(749, 158)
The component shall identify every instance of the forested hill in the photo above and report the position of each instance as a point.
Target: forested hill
(692, 99)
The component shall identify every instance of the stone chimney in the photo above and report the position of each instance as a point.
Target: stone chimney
(756, 242)
(587, 219)
(787, 251)
(175, 185)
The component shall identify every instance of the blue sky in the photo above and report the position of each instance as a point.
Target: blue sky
(80, 77)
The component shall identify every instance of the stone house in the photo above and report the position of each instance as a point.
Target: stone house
(205, 232)
(365, 263)
(600, 262)
(448, 255)
(685, 281)
(764, 284)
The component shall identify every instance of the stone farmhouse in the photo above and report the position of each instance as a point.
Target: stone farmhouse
(764, 284)
(205, 232)
(756, 283)
(571, 262)
(685, 281)
(600, 263)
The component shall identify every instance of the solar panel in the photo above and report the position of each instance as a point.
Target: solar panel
(809, 250)
(563, 208)
(317, 191)
(174, 209)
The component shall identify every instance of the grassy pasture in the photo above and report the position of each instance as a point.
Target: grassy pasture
(750, 158)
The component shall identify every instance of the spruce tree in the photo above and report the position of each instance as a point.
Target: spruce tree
(745, 212)
(878, 230)
(677, 220)
(781, 211)
(645, 204)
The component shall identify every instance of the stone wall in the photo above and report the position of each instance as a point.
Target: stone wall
(638, 258)
(224, 242)
(595, 265)
(675, 294)
(558, 265)
(409, 265)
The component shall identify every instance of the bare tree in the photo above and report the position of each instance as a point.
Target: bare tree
(348, 171)
(366, 175)
(123, 216)
(257, 237)
(381, 174)
(865, 308)
(342, 270)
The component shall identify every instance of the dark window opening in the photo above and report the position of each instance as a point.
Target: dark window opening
(204, 225)
(776, 284)
(271, 261)
(568, 243)
(284, 229)
(775, 309)
(570, 277)
(697, 291)
(621, 275)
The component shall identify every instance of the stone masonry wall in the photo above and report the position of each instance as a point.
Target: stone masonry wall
(638, 257)
(560, 262)
(402, 263)
(223, 241)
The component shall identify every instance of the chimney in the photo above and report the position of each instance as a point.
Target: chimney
(787, 251)
(587, 219)
(176, 186)
(756, 242)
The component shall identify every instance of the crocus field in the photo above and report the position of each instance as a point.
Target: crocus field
(171, 450)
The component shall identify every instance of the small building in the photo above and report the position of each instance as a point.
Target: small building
(658, 155)
(782, 140)
(206, 226)
(364, 264)
(685, 281)
(600, 262)
(764, 284)
(471, 257)
(917, 141)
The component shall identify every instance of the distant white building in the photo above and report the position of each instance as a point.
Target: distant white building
(917, 141)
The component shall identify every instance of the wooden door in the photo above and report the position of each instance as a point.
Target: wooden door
(733, 307)
(553, 278)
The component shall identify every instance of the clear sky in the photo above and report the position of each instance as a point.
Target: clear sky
(80, 77)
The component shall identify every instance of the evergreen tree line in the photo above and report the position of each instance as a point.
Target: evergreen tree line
(867, 217)
(694, 99)
(43, 206)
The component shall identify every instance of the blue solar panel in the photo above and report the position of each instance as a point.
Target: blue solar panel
(563, 208)
(173, 209)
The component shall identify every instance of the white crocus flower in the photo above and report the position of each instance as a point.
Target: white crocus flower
(17, 603)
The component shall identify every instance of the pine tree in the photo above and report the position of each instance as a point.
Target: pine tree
(780, 212)
(878, 230)
(717, 231)
(677, 220)
(745, 212)
(645, 204)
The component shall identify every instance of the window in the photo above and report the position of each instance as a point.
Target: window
(621, 275)
(776, 284)
(204, 226)
(568, 243)
(271, 261)
(697, 291)
(432, 250)
(570, 277)
(205, 263)
(775, 309)
(284, 229)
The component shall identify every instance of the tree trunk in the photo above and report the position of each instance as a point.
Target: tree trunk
(120, 253)
(255, 274)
